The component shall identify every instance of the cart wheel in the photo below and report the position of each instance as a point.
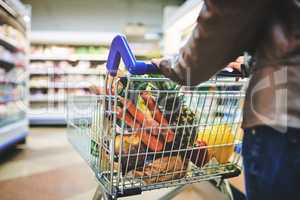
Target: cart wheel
(101, 196)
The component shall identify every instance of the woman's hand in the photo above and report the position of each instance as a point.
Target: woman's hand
(234, 65)
(157, 61)
(237, 63)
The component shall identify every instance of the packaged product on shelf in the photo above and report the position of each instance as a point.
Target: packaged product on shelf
(13, 36)
(68, 51)
(6, 55)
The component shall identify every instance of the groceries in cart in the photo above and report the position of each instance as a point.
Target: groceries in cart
(155, 132)
(218, 135)
(158, 133)
(143, 132)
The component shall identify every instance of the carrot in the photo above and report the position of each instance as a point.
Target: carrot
(151, 141)
(147, 121)
(128, 119)
(158, 116)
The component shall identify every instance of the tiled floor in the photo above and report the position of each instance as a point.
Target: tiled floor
(47, 168)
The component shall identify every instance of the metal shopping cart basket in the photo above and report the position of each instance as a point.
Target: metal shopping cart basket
(145, 132)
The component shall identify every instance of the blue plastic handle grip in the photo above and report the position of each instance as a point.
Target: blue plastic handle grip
(120, 49)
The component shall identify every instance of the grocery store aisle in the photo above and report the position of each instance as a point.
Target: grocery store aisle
(47, 168)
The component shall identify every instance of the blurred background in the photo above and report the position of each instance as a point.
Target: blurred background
(50, 49)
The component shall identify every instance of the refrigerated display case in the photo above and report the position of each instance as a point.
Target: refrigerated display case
(14, 26)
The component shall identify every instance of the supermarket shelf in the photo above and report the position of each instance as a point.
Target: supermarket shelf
(14, 122)
(13, 133)
(3, 82)
(8, 9)
(66, 72)
(72, 37)
(100, 58)
(6, 64)
(62, 85)
(50, 98)
(7, 43)
(15, 8)
(13, 16)
(47, 119)
(9, 63)
(4, 100)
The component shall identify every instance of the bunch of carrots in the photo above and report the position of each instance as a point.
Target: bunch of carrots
(149, 128)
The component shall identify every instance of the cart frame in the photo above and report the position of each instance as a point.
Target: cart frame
(211, 111)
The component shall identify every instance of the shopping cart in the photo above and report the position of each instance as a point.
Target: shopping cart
(144, 132)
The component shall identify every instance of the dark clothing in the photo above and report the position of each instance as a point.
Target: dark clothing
(269, 29)
(272, 163)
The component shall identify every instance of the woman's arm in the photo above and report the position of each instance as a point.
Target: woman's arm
(224, 30)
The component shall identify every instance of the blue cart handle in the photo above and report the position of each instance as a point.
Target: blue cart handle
(120, 49)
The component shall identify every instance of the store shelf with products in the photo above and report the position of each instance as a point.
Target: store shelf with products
(66, 72)
(68, 53)
(57, 71)
(12, 39)
(8, 43)
(50, 67)
(47, 98)
(50, 102)
(61, 85)
(100, 58)
(13, 74)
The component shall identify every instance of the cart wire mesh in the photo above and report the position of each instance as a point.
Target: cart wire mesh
(146, 133)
